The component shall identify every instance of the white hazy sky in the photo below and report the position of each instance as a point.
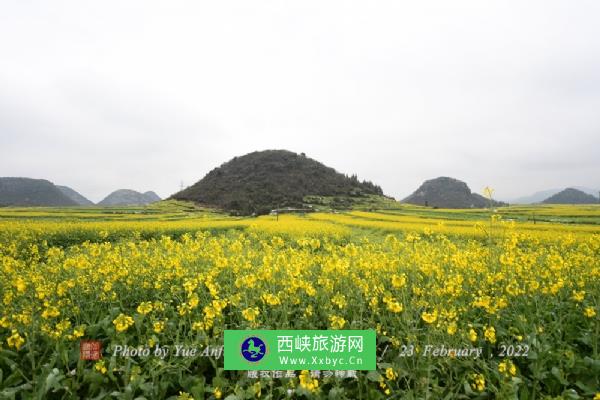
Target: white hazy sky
(145, 94)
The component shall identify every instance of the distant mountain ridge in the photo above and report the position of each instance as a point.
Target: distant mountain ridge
(28, 192)
(542, 195)
(571, 196)
(128, 197)
(75, 196)
(446, 192)
(258, 182)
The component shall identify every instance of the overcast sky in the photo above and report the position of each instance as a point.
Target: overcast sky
(145, 94)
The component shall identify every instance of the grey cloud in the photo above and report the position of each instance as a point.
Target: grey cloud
(145, 94)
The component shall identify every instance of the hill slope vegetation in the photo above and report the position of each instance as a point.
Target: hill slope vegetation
(75, 196)
(264, 180)
(445, 192)
(542, 195)
(571, 196)
(26, 192)
(128, 197)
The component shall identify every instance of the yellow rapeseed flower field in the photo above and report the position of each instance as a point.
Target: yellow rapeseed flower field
(527, 294)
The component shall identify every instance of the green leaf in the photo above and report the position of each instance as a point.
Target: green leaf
(53, 380)
(570, 394)
(467, 388)
(591, 363)
(336, 393)
(374, 376)
(586, 389)
(558, 375)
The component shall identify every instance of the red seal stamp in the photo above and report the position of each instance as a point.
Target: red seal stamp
(90, 350)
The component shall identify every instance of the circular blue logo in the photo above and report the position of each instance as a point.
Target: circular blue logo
(253, 349)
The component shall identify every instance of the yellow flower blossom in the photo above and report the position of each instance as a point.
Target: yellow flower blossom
(20, 284)
(395, 307)
(250, 314)
(451, 329)
(307, 382)
(478, 382)
(198, 326)
(158, 326)
(336, 322)
(50, 312)
(271, 299)
(589, 312)
(217, 392)
(472, 335)
(507, 368)
(308, 311)
(15, 340)
(79, 331)
(399, 281)
(145, 307)
(339, 300)
(490, 334)
(100, 367)
(429, 317)
(184, 396)
(578, 295)
(390, 374)
(123, 322)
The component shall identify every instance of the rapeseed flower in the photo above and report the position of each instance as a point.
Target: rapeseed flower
(100, 367)
(589, 312)
(158, 326)
(507, 368)
(250, 314)
(394, 306)
(452, 328)
(123, 322)
(336, 322)
(478, 382)
(390, 374)
(15, 340)
(472, 335)
(429, 317)
(578, 295)
(307, 382)
(490, 334)
(145, 308)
